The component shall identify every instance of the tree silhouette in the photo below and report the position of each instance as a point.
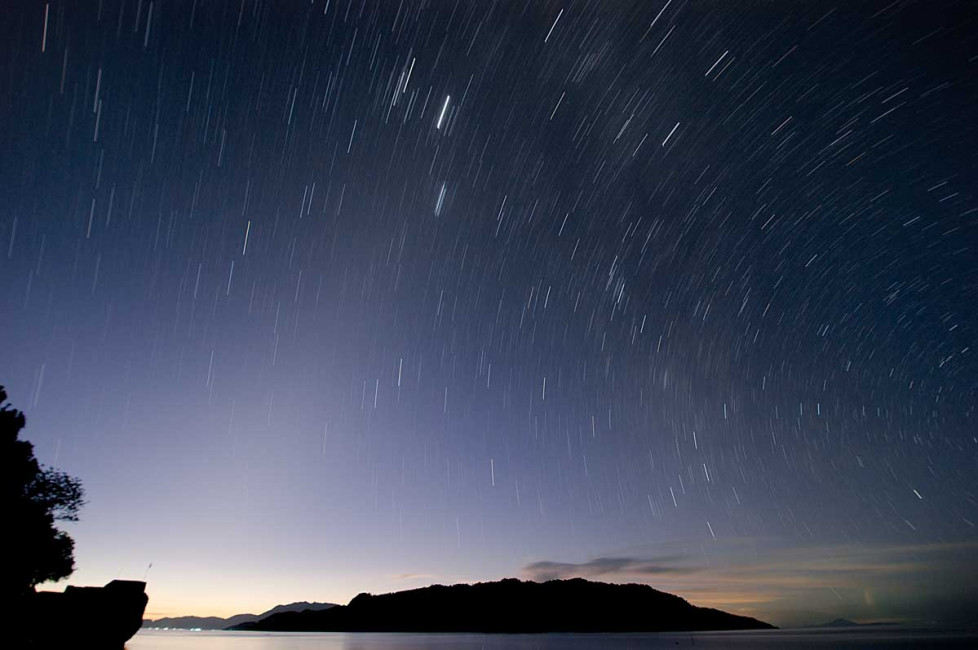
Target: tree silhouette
(32, 499)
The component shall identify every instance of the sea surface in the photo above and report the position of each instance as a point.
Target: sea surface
(822, 639)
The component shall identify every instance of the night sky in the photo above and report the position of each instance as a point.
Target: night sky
(336, 296)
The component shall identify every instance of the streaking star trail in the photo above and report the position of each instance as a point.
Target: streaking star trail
(337, 296)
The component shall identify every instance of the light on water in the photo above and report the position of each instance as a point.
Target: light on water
(882, 637)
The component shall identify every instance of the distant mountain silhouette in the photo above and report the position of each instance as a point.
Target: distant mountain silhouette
(513, 606)
(217, 623)
(839, 622)
(844, 622)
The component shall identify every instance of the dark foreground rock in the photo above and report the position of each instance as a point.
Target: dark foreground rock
(513, 606)
(82, 617)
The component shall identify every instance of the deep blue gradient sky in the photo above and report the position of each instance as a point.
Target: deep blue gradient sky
(327, 297)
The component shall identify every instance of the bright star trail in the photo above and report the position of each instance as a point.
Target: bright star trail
(336, 296)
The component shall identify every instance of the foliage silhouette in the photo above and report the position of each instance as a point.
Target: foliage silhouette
(32, 499)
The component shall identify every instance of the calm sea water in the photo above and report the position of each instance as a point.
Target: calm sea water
(872, 638)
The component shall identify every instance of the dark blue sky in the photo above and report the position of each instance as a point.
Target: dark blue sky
(326, 297)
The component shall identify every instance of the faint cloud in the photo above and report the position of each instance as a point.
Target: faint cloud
(413, 576)
(605, 566)
(791, 585)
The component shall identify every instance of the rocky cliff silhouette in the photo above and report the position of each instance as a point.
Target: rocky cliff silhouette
(513, 606)
(81, 617)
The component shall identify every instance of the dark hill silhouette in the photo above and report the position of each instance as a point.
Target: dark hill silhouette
(218, 623)
(513, 606)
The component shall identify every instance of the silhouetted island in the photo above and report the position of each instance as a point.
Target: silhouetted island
(513, 606)
(218, 623)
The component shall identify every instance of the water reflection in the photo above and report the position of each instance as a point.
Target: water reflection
(895, 637)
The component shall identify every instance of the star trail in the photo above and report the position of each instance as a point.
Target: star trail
(320, 297)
